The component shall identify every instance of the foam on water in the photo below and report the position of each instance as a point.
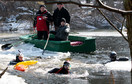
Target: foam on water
(75, 75)
(29, 50)
(81, 68)
(11, 79)
(118, 65)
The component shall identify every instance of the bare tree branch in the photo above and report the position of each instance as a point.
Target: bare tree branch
(123, 12)
(117, 18)
(71, 2)
(112, 24)
(122, 24)
(101, 5)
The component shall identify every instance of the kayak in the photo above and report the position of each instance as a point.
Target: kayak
(74, 43)
(27, 63)
(22, 66)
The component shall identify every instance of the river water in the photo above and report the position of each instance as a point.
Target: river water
(85, 68)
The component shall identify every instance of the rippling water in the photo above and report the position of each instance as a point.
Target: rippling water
(85, 68)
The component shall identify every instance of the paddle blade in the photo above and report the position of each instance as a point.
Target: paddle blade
(43, 52)
(6, 46)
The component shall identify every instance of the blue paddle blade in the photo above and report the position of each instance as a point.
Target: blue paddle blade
(6, 46)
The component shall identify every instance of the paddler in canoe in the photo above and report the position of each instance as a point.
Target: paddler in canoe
(62, 33)
(63, 70)
(41, 22)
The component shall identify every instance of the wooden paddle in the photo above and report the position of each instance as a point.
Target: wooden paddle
(1, 74)
(46, 44)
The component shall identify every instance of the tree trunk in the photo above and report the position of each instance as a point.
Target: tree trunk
(128, 6)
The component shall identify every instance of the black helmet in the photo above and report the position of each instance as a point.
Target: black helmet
(113, 56)
(67, 65)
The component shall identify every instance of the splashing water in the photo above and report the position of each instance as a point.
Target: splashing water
(85, 68)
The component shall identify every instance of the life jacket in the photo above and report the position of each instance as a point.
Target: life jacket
(62, 71)
(41, 23)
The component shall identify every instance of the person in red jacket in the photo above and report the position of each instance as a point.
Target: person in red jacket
(41, 22)
(63, 70)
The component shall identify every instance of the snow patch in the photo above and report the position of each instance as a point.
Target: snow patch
(13, 26)
(12, 18)
(22, 8)
(89, 26)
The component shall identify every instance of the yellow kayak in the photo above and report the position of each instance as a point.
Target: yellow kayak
(27, 63)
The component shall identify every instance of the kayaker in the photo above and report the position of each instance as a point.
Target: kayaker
(59, 13)
(63, 70)
(19, 58)
(41, 22)
(61, 34)
(113, 57)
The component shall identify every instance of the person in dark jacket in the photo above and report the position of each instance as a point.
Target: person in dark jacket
(41, 22)
(113, 57)
(60, 13)
(19, 58)
(61, 34)
(63, 70)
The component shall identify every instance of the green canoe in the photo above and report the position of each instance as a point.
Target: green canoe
(75, 44)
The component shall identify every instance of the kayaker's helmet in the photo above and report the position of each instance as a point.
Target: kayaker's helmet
(20, 54)
(66, 65)
(113, 55)
(19, 57)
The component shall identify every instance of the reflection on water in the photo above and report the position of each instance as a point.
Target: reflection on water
(7, 34)
(99, 32)
(85, 68)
